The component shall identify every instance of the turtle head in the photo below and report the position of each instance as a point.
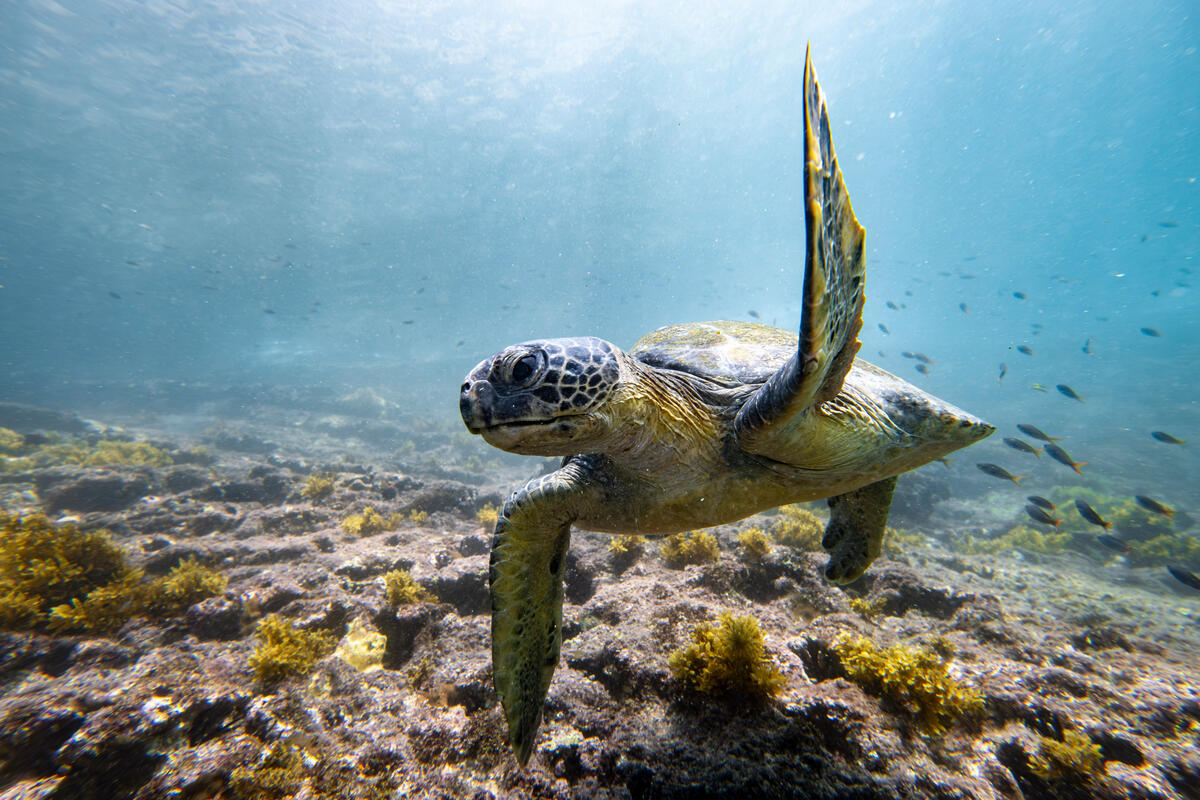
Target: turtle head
(538, 397)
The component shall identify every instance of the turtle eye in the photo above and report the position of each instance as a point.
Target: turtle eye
(523, 370)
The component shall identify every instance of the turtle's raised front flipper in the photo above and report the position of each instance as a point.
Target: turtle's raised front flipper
(854, 535)
(834, 266)
(529, 551)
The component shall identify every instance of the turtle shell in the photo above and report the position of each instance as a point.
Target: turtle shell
(724, 351)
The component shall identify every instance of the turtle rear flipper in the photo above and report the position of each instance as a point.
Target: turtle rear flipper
(854, 535)
(833, 296)
(529, 549)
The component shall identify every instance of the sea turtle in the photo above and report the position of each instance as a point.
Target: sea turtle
(699, 424)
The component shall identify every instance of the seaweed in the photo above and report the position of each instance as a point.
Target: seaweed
(318, 486)
(915, 678)
(367, 523)
(418, 517)
(401, 589)
(362, 647)
(798, 527)
(1021, 537)
(729, 660)
(698, 547)
(284, 651)
(11, 442)
(488, 516)
(1075, 758)
(755, 545)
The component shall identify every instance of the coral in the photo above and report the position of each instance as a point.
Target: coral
(681, 549)
(401, 589)
(283, 650)
(915, 678)
(1075, 758)
(367, 523)
(798, 527)
(318, 486)
(755, 545)
(487, 516)
(362, 647)
(728, 661)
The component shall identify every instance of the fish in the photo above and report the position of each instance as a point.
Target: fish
(997, 471)
(1062, 457)
(1037, 500)
(1087, 347)
(1166, 438)
(1067, 391)
(1020, 295)
(1091, 515)
(963, 308)
(114, 295)
(1113, 542)
(1037, 387)
(1038, 515)
(1037, 433)
(921, 368)
(924, 359)
(907, 354)
(753, 313)
(1168, 224)
(1151, 332)
(1184, 576)
(892, 306)
(1026, 349)
(883, 328)
(1003, 371)
(1023, 446)
(1150, 504)
(268, 311)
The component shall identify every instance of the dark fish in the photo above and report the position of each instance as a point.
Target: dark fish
(1037, 500)
(268, 311)
(1090, 514)
(1113, 542)
(1023, 446)
(1067, 391)
(1151, 332)
(1166, 438)
(1168, 224)
(1037, 433)
(963, 308)
(907, 354)
(1003, 371)
(1062, 457)
(883, 328)
(924, 359)
(407, 321)
(1020, 295)
(753, 313)
(1026, 349)
(997, 471)
(892, 306)
(1150, 504)
(1038, 515)
(1184, 576)
(1087, 347)
(114, 295)
(921, 368)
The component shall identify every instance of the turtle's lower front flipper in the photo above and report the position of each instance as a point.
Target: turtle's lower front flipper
(854, 535)
(529, 550)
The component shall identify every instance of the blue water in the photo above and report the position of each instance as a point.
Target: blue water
(388, 193)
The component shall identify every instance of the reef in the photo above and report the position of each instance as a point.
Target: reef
(301, 610)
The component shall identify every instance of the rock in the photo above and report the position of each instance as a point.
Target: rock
(185, 478)
(473, 546)
(463, 584)
(443, 495)
(917, 495)
(899, 590)
(216, 618)
(94, 490)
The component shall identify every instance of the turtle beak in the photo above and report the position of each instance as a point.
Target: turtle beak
(475, 399)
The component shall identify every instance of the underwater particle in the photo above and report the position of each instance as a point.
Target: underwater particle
(964, 308)
(1024, 348)
(1113, 542)
(1037, 433)
(1184, 576)
(1063, 457)
(729, 660)
(1067, 391)
(997, 471)
(1151, 332)
(1022, 445)
(1150, 504)
(401, 590)
(1076, 758)
(1003, 372)
(1090, 514)
(362, 647)
(914, 678)
(1040, 515)
(1087, 347)
(1038, 500)
(1166, 438)
(283, 650)
(884, 328)
(1020, 295)
(698, 547)
(921, 368)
